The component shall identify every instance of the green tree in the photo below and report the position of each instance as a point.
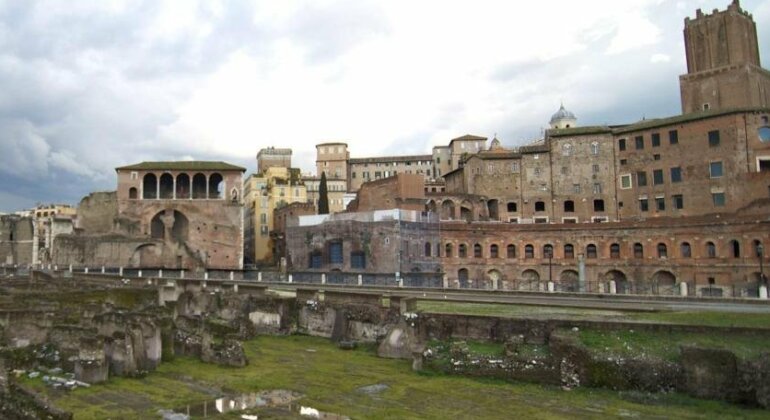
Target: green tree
(323, 196)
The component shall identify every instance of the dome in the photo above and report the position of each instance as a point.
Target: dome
(562, 114)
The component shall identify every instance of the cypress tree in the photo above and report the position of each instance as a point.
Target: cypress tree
(323, 196)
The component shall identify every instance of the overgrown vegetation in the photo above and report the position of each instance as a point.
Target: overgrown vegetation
(666, 345)
(330, 379)
(717, 319)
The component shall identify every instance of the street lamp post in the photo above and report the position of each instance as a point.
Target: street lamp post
(760, 255)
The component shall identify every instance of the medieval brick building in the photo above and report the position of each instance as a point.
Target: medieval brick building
(644, 206)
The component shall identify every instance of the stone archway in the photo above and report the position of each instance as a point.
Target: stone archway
(530, 280)
(146, 255)
(569, 281)
(622, 285)
(664, 283)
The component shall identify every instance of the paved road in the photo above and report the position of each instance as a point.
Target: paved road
(625, 303)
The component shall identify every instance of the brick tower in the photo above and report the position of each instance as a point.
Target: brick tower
(723, 67)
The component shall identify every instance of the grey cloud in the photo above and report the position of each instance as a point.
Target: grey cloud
(331, 30)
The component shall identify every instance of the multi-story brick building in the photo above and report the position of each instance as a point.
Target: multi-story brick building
(686, 198)
(190, 212)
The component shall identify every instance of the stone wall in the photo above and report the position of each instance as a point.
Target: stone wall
(97, 212)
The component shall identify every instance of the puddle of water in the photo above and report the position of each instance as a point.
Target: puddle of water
(275, 400)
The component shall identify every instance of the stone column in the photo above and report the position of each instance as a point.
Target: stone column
(763, 292)
(173, 193)
(683, 289)
(613, 287)
(157, 187)
(360, 280)
(550, 287)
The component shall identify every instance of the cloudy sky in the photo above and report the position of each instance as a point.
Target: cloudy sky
(88, 86)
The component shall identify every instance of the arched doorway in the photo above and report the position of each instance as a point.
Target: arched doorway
(494, 277)
(664, 283)
(622, 286)
(462, 277)
(569, 281)
(183, 187)
(529, 280)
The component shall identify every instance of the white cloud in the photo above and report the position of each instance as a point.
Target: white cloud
(98, 85)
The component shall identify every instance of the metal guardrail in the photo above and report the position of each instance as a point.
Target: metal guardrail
(412, 280)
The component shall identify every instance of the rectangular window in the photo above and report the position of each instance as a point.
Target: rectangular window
(263, 218)
(643, 204)
(595, 168)
(565, 170)
(623, 162)
(676, 174)
(622, 144)
(576, 188)
(597, 188)
(641, 179)
(673, 137)
(719, 199)
(263, 230)
(655, 139)
(515, 167)
(625, 181)
(639, 141)
(678, 201)
(657, 177)
(714, 138)
(715, 169)
(656, 156)
(353, 175)
(660, 203)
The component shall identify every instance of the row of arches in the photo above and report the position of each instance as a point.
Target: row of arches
(591, 251)
(181, 187)
(491, 209)
(568, 280)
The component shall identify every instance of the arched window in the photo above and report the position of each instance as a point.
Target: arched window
(759, 250)
(569, 206)
(132, 193)
(428, 249)
(685, 250)
(662, 250)
(494, 251)
(462, 251)
(615, 251)
(638, 250)
(511, 251)
(199, 186)
(477, 251)
(569, 251)
(711, 250)
(448, 251)
(166, 186)
(183, 187)
(215, 186)
(529, 251)
(150, 186)
(548, 251)
(591, 251)
(735, 249)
